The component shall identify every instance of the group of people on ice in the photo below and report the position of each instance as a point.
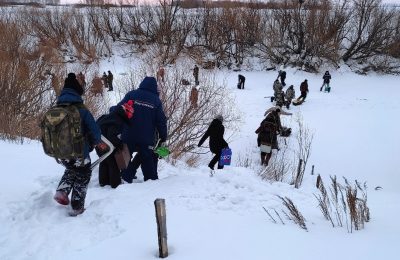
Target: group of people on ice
(270, 127)
(138, 124)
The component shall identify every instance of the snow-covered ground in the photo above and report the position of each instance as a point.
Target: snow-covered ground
(222, 217)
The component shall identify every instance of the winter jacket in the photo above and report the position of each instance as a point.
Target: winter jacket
(290, 93)
(268, 129)
(282, 75)
(149, 115)
(111, 125)
(216, 133)
(194, 96)
(196, 71)
(280, 98)
(304, 86)
(327, 77)
(277, 87)
(90, 130)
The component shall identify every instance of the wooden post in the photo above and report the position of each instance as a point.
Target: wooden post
(161, 227)
(312, 170)
(298, 177)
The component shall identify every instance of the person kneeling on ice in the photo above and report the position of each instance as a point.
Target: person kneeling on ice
(111, 127)
(78, 172)
(217, 142)
(268, 131)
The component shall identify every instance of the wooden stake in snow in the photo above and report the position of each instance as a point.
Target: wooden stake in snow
(312, 170)
(161, 227)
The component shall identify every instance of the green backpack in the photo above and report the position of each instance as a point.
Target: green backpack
(62, 136)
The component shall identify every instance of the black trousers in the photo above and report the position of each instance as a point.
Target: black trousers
(109, 173)
(215, 160)
(303, 95)
(75, 181)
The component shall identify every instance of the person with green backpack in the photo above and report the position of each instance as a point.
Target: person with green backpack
(69, 134)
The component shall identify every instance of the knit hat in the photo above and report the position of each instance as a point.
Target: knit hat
(128, 108)
(220, 118)
(72, 83)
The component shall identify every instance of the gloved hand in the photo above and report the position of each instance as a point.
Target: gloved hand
(102, 148)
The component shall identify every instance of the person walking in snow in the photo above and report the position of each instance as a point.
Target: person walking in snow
(242, 79)
(303, 90)
(111, 127)
(217, 142)
(77, 173)
(194, 97)
(267, 132)
(139, 134)
(282, 76)
(277, 87)
(289, 95)
(196, 75)
(327, 79)
(110, 78)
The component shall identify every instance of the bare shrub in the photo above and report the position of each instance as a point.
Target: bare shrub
(27, 82)
(244, 160)
(187, 123)
(342, 204)
(304, 139)
(280, 164)
(293, 213)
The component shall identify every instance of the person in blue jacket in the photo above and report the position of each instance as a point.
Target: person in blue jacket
(139, 135)
(77, 173)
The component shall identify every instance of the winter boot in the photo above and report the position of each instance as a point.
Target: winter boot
(61, 197)
(75, 212)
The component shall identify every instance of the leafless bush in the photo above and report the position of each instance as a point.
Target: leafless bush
(187, 123)
(244, 160)
(280, 164)
(293, 213)
(27, 82)
(342, 203)
(304, 139)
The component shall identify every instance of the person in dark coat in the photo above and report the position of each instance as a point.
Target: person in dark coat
(139, 135)
(282, 76)
(303, 90)
(267, 134)
(196, 75)
(327, 79)
(217, 142)
(242, 79)
(77, 173)
(111, 127)
(110, 78)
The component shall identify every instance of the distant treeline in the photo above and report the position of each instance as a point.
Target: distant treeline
(364, 34)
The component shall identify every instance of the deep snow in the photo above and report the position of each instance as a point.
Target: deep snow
(222, 217)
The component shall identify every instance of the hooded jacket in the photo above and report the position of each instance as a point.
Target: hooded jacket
(111, 125)
(90, 130)
(268, 129)
(148, 117)
(216, 133)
